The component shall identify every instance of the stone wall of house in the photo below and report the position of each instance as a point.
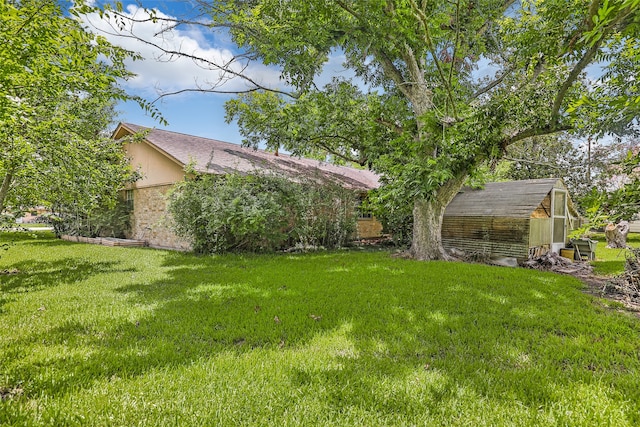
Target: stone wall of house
(151, 222)
(368, 228)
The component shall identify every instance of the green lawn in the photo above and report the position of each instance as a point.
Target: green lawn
(610, 262)
(102, 336)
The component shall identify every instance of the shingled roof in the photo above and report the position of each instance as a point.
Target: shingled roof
(217, 157)
(512, 199)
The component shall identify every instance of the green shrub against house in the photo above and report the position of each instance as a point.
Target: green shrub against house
(233, 212)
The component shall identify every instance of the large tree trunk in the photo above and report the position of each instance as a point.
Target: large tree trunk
(427, 230)
(427, 212)
(427, 222)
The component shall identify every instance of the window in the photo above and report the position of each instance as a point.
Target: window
(363, 211)
(364, 215)
(128, 199)
(559, 209)
(559, 203)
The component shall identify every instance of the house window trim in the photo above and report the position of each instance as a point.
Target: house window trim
(363, 214)
(129, 199)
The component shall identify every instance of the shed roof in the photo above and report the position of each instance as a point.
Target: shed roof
(512, 199)
(217, 157)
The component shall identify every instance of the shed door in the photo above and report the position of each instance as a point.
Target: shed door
(558, 219)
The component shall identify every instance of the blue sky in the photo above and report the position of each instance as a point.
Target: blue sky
(201, 115)
(193, 113)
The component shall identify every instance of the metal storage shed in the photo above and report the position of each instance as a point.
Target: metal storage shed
(517, 219)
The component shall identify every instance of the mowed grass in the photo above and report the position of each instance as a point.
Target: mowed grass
(610, 262)
(102, 336)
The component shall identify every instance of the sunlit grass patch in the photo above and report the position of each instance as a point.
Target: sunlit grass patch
(610, 262)
(93, 335)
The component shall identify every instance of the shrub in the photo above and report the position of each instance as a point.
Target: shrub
(101, 222)
(233, 212)
(325, 215)
(395, 213)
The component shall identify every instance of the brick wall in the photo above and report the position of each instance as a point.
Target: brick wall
(151, 222)
(368, 228)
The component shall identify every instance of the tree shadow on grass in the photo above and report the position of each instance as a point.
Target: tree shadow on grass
(30, 237)
(37, 240)
(32, 276)
(496, 333)
(526, 343)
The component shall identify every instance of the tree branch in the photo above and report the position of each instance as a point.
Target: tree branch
(571, 78)
(204, 90)
(387, 64)
(588, 56)
(389, 125)
(593, 11)
(32, 16)
(394, 73)
(225, 68)
(429, 42)
(173, 23)
(494, 83)
(455, 43)
(506, 5)
(318, 141)
(528, 133)
(533, 162)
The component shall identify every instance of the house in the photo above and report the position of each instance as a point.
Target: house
(162, 156)
(517, 219)
(33, 215)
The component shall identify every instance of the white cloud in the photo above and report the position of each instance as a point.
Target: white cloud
(162, 72)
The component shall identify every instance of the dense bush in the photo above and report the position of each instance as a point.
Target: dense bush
(102, 222)
(398, 224)
(233, 212)
(395, 213)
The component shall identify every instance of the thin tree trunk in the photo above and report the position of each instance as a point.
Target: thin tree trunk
(4, 189)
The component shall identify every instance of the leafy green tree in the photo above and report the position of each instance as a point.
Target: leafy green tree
(58, 85)
(422, 55)
(544, 157)
(584, 167)
(619, 200)
(427, 121)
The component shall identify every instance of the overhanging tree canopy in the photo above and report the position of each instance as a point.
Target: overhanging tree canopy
(429, 118)
(58, 85)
